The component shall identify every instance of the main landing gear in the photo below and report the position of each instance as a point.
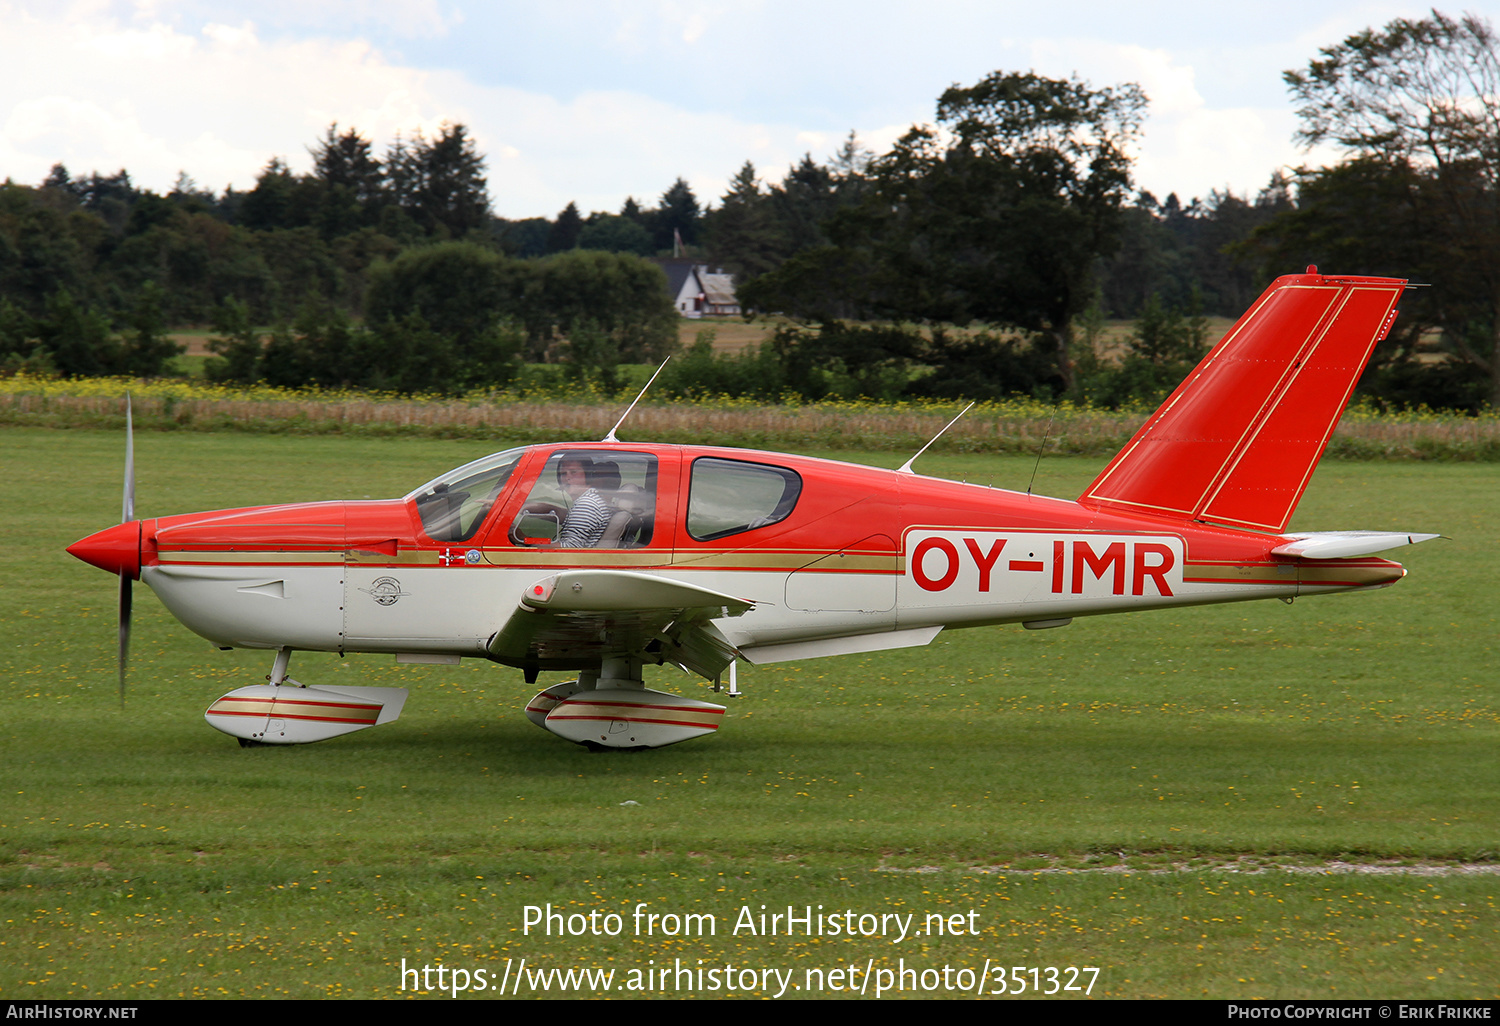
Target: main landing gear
(613, 708)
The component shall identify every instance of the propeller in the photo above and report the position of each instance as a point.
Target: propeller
(127, 514)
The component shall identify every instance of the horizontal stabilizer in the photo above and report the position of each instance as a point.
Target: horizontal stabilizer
(1344, 544)
(1237, 441)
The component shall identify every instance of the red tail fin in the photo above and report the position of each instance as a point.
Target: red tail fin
(1238, 439)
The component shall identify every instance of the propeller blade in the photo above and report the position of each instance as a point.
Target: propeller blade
(125, 598)
(127, 514)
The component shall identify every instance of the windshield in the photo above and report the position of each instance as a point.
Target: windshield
(454, 505)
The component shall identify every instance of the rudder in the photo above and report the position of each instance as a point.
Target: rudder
(1237, 441)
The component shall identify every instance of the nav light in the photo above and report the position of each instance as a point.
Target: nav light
(540, 593)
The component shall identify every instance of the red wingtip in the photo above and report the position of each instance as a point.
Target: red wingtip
(116, 549)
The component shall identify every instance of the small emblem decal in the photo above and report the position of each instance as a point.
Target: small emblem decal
(471, 557)
(385, 590)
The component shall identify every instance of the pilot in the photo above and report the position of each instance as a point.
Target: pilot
(588, 514)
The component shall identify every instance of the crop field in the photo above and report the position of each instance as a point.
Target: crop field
(731, 334)
(1013, 426)
(1255, 800)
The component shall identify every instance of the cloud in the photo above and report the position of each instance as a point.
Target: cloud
(1187, 146)
(599, 147)
(218, 102)
(640, 26)
(622, 104)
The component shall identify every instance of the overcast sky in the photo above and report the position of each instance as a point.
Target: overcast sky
(596, 101)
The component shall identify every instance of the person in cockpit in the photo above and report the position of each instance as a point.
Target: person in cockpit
(588, 513)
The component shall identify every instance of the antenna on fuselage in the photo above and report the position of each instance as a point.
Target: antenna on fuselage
(611, 436)
(905, 468)
(1040, 450)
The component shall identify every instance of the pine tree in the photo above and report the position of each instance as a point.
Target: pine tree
(565, 230)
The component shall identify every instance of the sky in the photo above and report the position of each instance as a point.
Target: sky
(595, 101)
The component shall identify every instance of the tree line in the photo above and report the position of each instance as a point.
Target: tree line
(456, 315)
(979, 257)
(1015, 216)
(375, 271)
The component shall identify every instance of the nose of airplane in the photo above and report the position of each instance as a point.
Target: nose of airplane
(116, 549)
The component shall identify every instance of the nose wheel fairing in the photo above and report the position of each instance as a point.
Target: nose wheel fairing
(290, 715)
(285, 712)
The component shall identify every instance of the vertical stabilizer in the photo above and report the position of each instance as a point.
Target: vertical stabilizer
(1237, 441)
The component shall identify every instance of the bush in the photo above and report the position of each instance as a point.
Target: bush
(1164, 348)
(701, 373)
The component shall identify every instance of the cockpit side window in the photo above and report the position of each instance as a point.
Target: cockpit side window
(452, 507)
(730, 496)
(585, 499)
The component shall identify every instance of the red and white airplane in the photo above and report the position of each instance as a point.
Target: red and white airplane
(606, 557)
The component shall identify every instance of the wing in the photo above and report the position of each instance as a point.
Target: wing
(577, 618)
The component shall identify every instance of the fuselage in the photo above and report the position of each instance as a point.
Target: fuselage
(851, 552)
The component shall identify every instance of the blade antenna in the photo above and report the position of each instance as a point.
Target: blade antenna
(611, 436)
(1041, 449)
(905, 468)
(127, 514)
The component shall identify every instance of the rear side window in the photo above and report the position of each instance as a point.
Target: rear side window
(729, 496)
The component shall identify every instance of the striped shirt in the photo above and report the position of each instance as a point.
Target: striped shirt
(586, 522)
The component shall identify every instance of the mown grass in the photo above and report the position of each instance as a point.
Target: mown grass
(998, 770)
(561, 412)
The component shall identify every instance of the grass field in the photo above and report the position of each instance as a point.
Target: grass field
(1237, 801)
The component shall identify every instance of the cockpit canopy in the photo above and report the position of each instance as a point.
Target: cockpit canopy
(454, 505)
(605, 498)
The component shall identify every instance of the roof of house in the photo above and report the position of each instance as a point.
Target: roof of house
(719, 288)
(678, 272)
